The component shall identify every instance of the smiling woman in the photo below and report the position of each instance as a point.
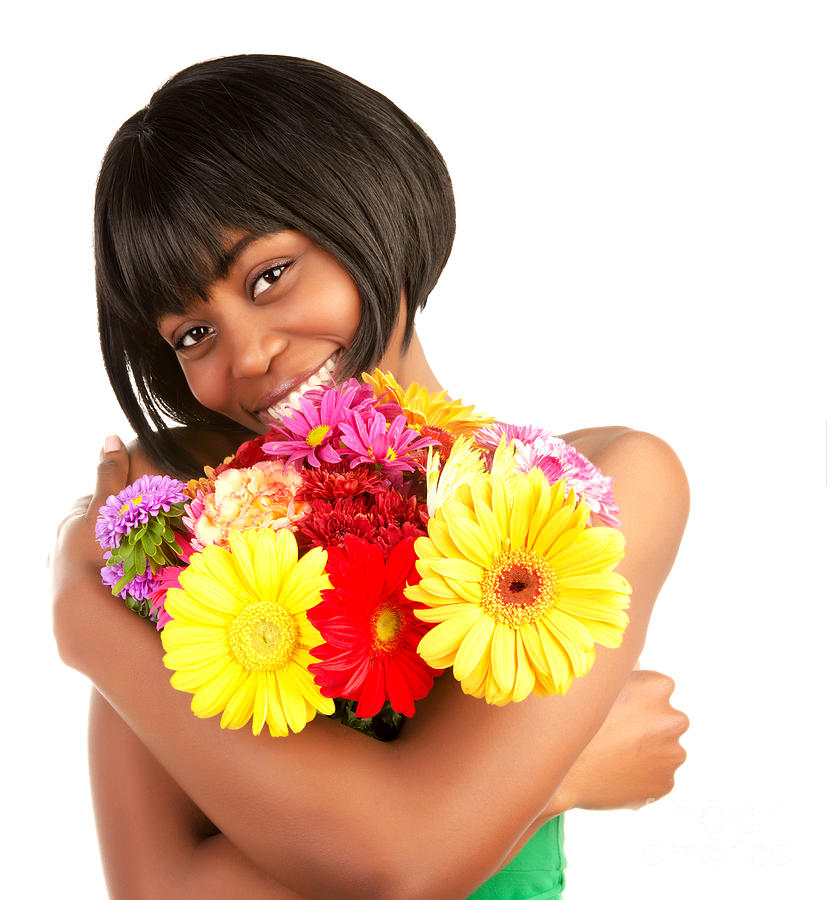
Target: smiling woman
(328, 171)
(276, 324)
(263, 224)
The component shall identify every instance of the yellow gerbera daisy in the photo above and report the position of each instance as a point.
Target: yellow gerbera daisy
(422, 408)
(520, 586)
(240, 639)
(464, 463)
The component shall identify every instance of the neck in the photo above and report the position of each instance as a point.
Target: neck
(413, 366)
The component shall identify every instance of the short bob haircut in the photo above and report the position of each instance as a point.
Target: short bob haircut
(257, 144)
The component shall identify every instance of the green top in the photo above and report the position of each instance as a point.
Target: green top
(535, 873)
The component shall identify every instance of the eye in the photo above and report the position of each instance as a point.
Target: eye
(267, 278)
(193, 336)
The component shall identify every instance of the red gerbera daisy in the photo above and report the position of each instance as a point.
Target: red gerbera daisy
(370, 631)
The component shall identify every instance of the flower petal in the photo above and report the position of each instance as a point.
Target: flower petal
(443, 641)
(474, 647)
(503, 657)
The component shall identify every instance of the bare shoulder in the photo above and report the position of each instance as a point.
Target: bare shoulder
(650, 487)
(632, 455)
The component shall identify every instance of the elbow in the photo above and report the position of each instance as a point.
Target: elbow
(417, 872)
(392, 865)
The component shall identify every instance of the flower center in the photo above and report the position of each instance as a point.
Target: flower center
(446, 441)
(263, 637)
(518, 587)
(317, 435)
(135, 501)
(385, 625)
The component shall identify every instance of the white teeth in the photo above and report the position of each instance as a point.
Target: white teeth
(320, 378)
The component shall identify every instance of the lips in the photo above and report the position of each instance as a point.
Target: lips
(270, 409)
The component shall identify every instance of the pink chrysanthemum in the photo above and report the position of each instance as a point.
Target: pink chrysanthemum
(591, 484)
(134, 505)
(488, 437)
(536, 448)
(556, 459)
(167, 578)
(394, 446)
(311, 432)
(544, 453)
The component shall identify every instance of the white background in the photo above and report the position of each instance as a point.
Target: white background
(642, 201)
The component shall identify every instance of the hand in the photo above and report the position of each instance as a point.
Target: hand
(632, 759)
(77, 558)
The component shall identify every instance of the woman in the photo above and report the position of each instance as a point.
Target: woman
(262, 219)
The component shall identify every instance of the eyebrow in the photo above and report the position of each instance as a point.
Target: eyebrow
(231, 254)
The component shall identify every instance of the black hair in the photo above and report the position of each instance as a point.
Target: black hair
(257, 144)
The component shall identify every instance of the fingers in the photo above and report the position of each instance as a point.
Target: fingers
(113, 469)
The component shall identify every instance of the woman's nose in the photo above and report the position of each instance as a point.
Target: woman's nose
(254, 351)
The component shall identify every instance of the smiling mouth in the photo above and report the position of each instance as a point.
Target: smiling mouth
(322, 377)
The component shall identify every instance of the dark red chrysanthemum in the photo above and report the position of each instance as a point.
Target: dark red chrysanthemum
(338, 482)
(369, 629)
(383, 518)
(326, 524)
(397, 516)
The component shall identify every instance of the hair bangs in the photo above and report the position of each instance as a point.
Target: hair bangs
(159, 242)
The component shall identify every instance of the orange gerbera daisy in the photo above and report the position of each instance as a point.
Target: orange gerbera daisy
(424, 410)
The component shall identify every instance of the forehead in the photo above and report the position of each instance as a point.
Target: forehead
(238, 247)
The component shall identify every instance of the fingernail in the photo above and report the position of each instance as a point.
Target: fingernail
(111, 443)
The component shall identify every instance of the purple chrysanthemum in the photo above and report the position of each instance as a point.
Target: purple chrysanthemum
(134, 505)
(311, 433)
(142, 586)
(393, 446)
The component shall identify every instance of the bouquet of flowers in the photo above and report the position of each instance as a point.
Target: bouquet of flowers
(376, 537)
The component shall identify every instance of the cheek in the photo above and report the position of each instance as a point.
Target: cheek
(207, 389)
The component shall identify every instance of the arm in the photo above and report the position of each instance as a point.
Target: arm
(466, 779)
(154, 841)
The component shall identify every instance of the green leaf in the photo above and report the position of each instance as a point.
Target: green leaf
(129, 563)
(140, 561)
(120, 585)
(158, 558)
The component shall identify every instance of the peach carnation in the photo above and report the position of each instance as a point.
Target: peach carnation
(261, 496)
